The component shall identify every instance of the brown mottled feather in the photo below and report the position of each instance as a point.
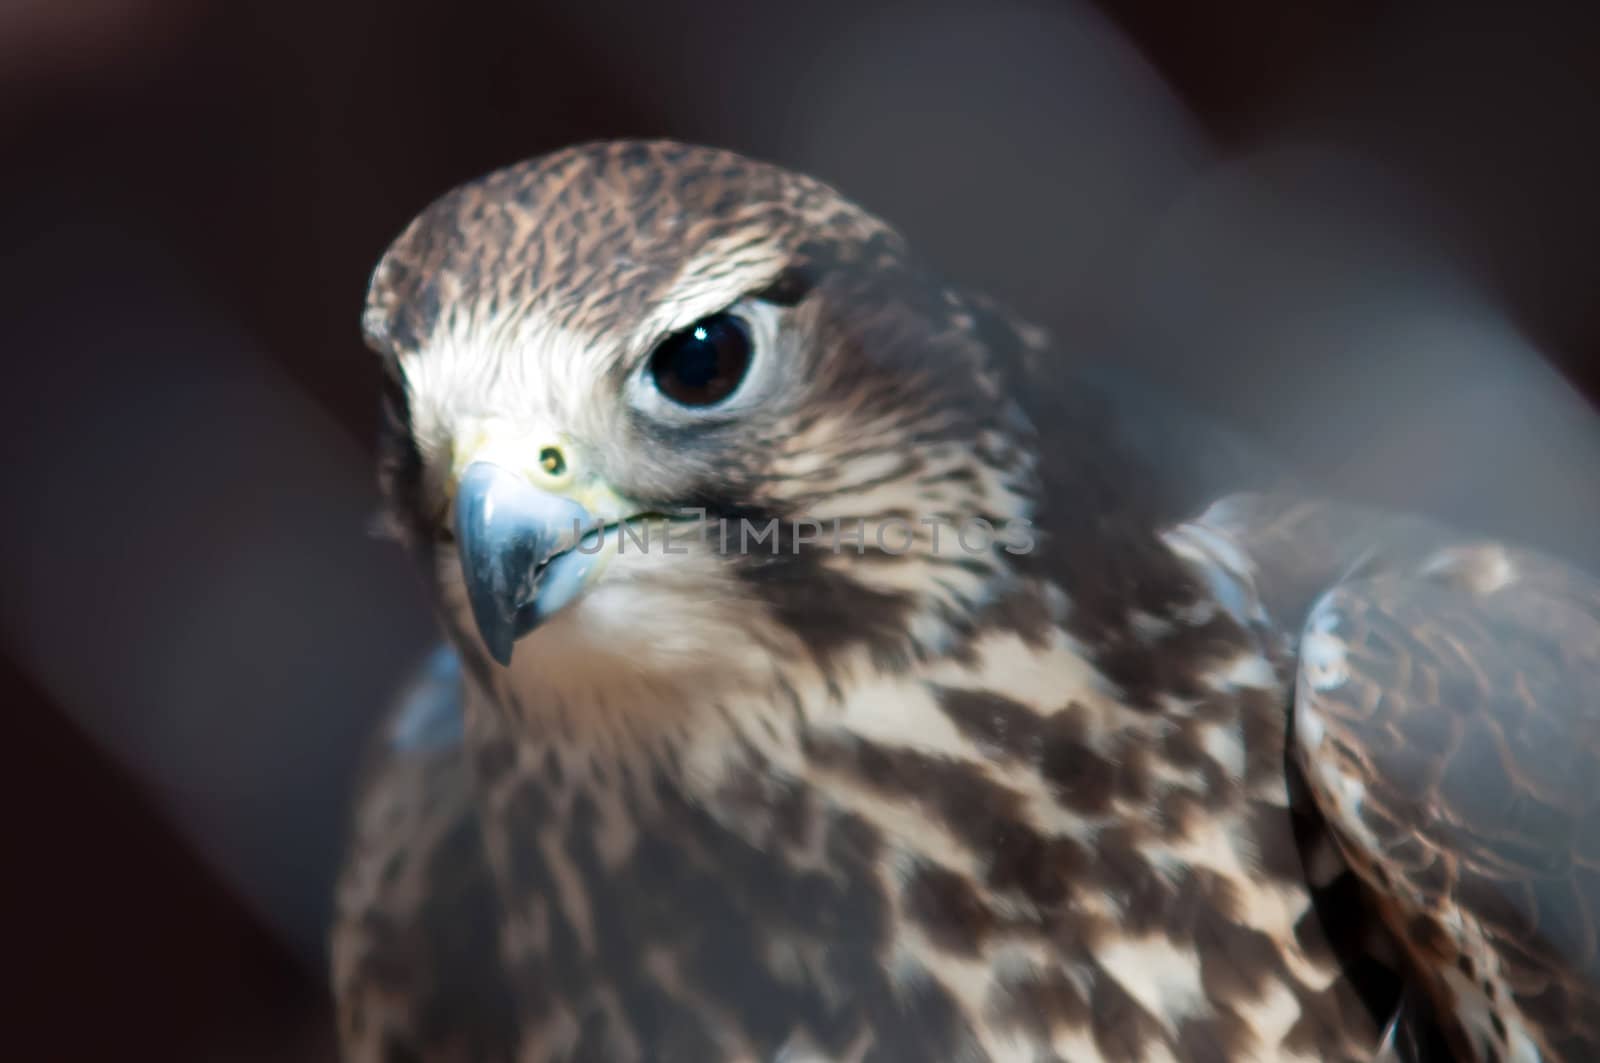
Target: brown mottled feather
(415, 941)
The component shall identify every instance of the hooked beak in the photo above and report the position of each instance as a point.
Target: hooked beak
(522, 552)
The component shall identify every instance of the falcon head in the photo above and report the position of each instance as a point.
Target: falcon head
(663, 412)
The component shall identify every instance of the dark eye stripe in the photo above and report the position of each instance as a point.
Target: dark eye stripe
(703, 364)
(789, 287)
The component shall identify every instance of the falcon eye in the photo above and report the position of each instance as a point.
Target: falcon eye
(703, 364)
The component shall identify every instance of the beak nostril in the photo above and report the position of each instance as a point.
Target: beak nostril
(552, 461)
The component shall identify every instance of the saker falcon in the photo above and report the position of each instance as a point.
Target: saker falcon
(1174, 765)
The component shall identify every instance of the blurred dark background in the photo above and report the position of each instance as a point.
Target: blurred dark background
(1361, 232)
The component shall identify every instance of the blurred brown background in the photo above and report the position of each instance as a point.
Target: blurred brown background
(1362, 232)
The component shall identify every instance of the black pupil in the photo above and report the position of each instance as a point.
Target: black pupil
(703, 364)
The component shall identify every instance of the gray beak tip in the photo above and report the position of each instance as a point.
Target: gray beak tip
(499, 647)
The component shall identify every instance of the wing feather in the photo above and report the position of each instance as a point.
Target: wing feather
(1448, 717)
(415, 937)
